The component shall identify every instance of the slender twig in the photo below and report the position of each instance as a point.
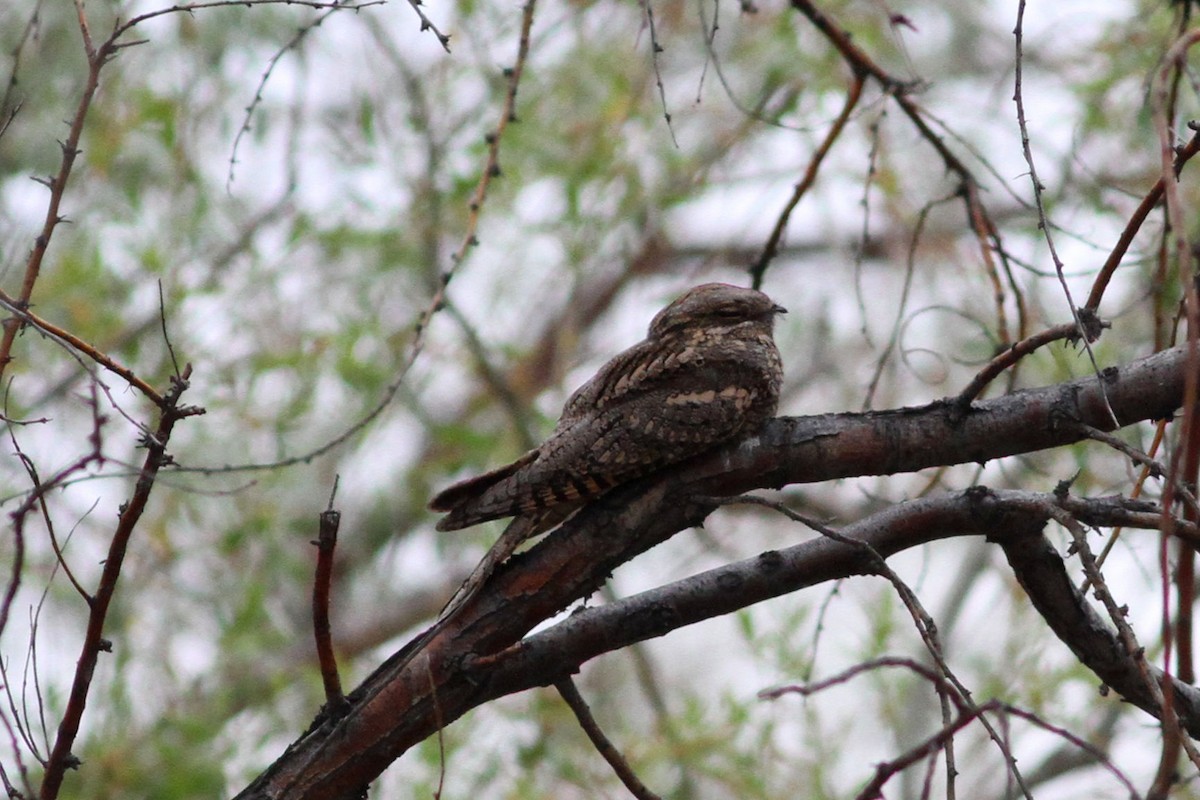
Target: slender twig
(988, 238)
(133, 22)
(1038, 189)
(925, 624)
(57, 184)
(1016, 352)
(655, 50)
(651, 685)
(8, 119)
(7, 105)
(35, 497)
(15, 307)
(710, 38)
(491, 170)
(38, 494)
(860, 61)
(759, 112)
(1148, 203)
(15, 746)
(1173, 735)
(942, 739)
(162, 318)
(1149, 468)
(870, 175)
(97, 58)
(1185, 461)
(570, 693)
(291, 44)
(498, 385)
(441, 735)
(966, 713)
(18, 557)
(61, 758)
(31, 671)
(1156, 469)
(910, 268)
(427, 25)
(759, 267)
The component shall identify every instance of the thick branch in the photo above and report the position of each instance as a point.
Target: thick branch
(458, 666)
(1010, 518)
(1041, 573)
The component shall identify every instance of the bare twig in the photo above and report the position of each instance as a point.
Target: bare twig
(1185, 460)
(926, 627)
(1172, 727)
(1038, 188)
(862, 246)
(326, 543)
(1149, 467)
(910, 267)
(23, 315)
(498, 385)
(35, 498)
(57, 185)
(566, 687)
(441, 736)
(61, 758)
(967, 713)
(759, 267)
(655, 50)
(297, 38)
(427, 25)
(18, 560)
(8, 105)
(1152, 199)
(123, 28)
(1016, 352)
(97, 58)
(491, 170)
(862, 64)
(22, 770)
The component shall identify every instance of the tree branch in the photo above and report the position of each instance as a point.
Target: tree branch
(61, 758)
(480, 654)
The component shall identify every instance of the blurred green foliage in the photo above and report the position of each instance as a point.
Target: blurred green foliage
(295, 261)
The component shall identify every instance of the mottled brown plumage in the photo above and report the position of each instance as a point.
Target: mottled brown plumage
(707, 373)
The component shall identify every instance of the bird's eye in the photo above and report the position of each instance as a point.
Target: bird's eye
(729, 312)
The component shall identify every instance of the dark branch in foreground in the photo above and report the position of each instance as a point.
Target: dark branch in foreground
(480, 655)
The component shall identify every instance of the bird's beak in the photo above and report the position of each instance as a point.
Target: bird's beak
(778, 309)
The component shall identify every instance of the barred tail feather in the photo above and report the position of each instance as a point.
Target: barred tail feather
(460, 499)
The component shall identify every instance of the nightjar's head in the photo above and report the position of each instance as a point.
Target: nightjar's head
(716, 306)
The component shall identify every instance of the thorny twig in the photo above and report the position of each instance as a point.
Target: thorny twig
(926, 627)
(61, 757)
(491, 170)
(967, 713)
(1038, 188)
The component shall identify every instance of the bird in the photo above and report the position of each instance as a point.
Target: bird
(707, 373)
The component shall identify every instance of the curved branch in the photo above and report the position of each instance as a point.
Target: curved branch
(479, 655)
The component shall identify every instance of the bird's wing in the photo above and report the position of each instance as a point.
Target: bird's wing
(659, 422)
